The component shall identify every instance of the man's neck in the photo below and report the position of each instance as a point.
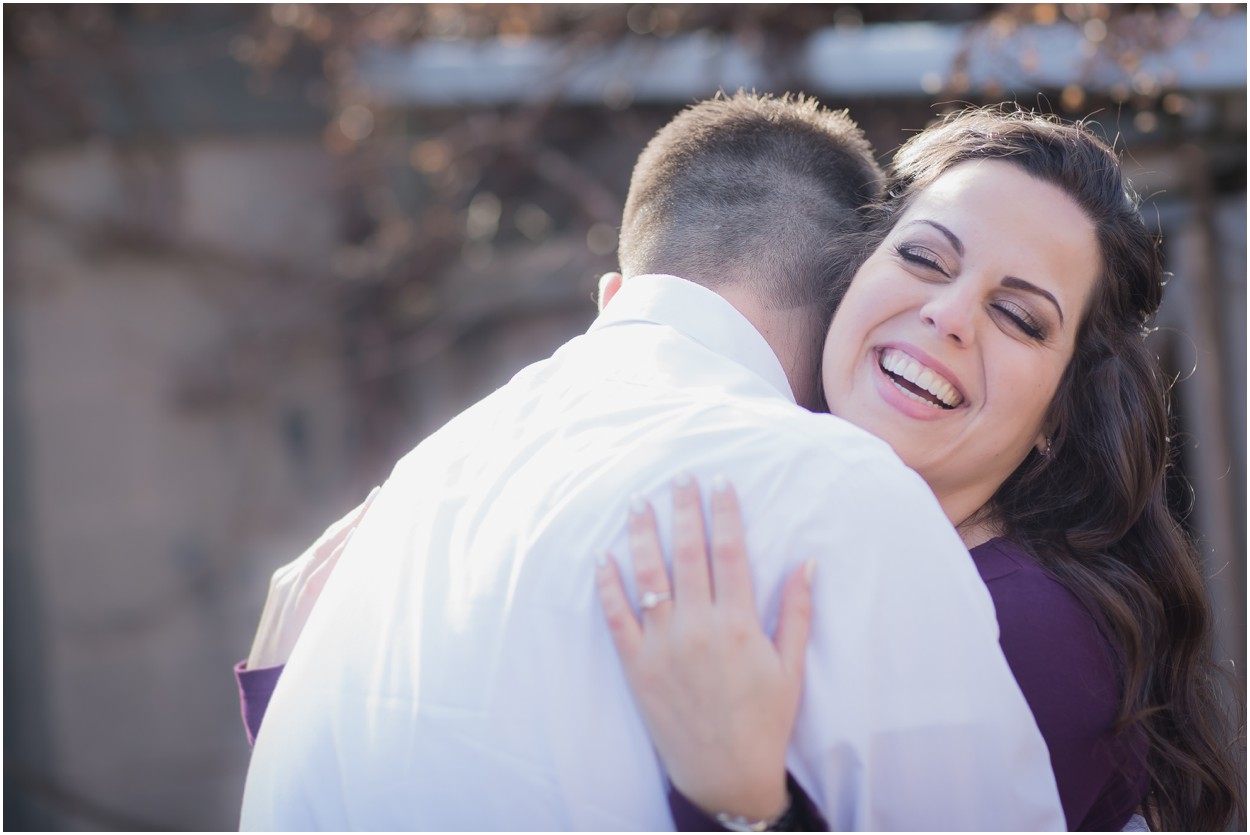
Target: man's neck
(795, 335)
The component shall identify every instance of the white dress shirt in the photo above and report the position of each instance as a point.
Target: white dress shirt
(457, 673)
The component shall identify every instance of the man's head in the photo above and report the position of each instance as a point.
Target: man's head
(750, 190)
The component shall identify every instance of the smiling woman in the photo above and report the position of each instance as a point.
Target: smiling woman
(995, 337)
(1083, 499)
(952, 339)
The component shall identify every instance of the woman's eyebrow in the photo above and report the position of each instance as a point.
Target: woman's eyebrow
(1030, 287)
(1008, 281)
(950, 236)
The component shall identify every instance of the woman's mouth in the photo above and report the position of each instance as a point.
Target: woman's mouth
(917, 381)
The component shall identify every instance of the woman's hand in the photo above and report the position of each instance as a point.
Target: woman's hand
(294, 589)
(718, 696)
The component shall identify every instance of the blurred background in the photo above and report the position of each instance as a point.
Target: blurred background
(253, 254)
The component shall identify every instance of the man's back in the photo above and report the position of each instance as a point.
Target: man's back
(457, 673)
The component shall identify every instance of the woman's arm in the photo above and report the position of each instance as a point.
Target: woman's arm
(293, 591)
(802, 816)
(256, 687)
(718, 696)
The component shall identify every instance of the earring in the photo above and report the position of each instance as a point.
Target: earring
(1048, 452)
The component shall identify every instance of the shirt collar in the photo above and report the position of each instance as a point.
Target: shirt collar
(700, 314)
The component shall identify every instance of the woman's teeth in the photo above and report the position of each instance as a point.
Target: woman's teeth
(902, 368)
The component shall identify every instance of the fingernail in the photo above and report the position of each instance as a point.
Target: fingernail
(637, 504)
(682, 481)
(719, 483)
(809, 570)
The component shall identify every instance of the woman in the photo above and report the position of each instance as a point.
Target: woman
(995, 339)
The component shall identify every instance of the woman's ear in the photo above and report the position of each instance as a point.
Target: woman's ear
(609, 283)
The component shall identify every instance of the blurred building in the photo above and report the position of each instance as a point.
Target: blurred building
(254, 254)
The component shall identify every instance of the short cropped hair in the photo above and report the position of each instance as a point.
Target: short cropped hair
(751, 188)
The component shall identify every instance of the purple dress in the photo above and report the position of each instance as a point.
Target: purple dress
(1067, 670)
(1063, 663)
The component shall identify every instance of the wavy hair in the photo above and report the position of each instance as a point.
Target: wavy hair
(1093, 509)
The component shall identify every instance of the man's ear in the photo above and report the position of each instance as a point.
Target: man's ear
(609, 283)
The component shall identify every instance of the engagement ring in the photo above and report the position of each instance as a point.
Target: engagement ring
(654, 598)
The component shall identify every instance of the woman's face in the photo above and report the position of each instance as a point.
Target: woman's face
(953, 336)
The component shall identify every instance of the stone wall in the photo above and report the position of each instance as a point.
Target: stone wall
(183, 426)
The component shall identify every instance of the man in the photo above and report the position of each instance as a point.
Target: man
(456, 672)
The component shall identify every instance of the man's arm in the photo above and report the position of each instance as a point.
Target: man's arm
(911, 718)
(719, 697)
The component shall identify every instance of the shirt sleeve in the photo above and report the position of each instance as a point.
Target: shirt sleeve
(255, 689)
(910, 718)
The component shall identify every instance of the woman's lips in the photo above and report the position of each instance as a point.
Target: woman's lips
(918, 381)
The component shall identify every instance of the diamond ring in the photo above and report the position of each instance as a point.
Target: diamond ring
(654, 598)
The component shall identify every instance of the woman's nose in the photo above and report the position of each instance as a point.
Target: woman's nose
(951, 312)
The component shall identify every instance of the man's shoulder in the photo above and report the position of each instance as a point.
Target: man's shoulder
(817, 467)
(817, 440)
(678, 403)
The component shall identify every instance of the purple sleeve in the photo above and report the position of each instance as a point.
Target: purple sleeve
(1067, 671)
(690, 818)
(255, 688)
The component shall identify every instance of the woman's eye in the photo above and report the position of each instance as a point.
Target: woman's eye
(921, 256)
(1022, 319)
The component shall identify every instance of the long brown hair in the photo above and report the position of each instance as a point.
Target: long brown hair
(1093, 509)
